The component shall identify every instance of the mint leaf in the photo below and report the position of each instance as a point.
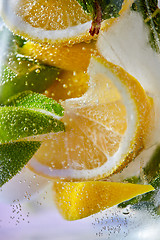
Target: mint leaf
(19, 74)
(24, 115)
(17, 123)
(152, 174)
(14, 156)
(151, 16)
(101, 10)
(109, 8)
(32, 100)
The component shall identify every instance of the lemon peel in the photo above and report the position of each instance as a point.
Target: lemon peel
(81, 199)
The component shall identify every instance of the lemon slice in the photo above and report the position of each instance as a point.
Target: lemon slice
(81, 199)
(62, 23)
(49, 21)
(73, 57)
(106, 128)
(46, 21)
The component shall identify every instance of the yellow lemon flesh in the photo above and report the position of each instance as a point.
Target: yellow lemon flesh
(106, 128)
(81, 199)
(62, 23)
(51, 21)
(75, 57)
(69, 84)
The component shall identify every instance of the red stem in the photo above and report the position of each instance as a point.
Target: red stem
(96, 23)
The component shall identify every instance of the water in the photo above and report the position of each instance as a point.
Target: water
(27, 207)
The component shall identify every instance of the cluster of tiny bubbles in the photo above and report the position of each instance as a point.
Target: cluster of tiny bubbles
(112, 223)
(23, 203)
(42, 202)
(18, 215)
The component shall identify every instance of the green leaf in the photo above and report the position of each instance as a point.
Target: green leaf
(109, 8)
(26, 114)
(37, 101)
(18, 123)
(101, 10)
(14, 156)
(20, 74)
(152, 169)
(88, 6)
(152, 174)
(151, 15)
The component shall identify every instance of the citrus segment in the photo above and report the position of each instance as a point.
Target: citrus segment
(69, 84)
(81, 199)
(74, 57)
(105, 128)
(47, 21)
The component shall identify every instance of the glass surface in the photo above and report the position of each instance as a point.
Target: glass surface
(40, 54)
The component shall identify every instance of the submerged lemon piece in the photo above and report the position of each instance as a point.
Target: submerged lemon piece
(51, 21)
(62, 23)
(81, 199)
(74, 57)
(106, 128)
(20, 74)
(69, 84)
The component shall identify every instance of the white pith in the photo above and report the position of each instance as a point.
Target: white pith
(117, 159)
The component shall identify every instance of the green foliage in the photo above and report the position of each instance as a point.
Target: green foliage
(32, 100)
(24, 115)
(19, 74)
(151, 172)
(14, 156)
(109, 8)
(100, 10)
(151, 15)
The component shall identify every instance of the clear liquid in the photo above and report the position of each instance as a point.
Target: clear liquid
(27, 209)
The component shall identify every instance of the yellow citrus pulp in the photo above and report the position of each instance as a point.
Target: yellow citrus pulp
(106, 128)
(74, 57)
(62, 23)
(69, 84)
(76, 200)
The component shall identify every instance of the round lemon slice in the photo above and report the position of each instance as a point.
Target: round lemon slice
(50, 21)
(106, 128)
(46, 21)
(58, 30)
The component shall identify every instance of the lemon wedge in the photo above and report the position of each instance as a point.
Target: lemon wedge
(81, 199)
(106, 128)
(73, 57)
(69, 84)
